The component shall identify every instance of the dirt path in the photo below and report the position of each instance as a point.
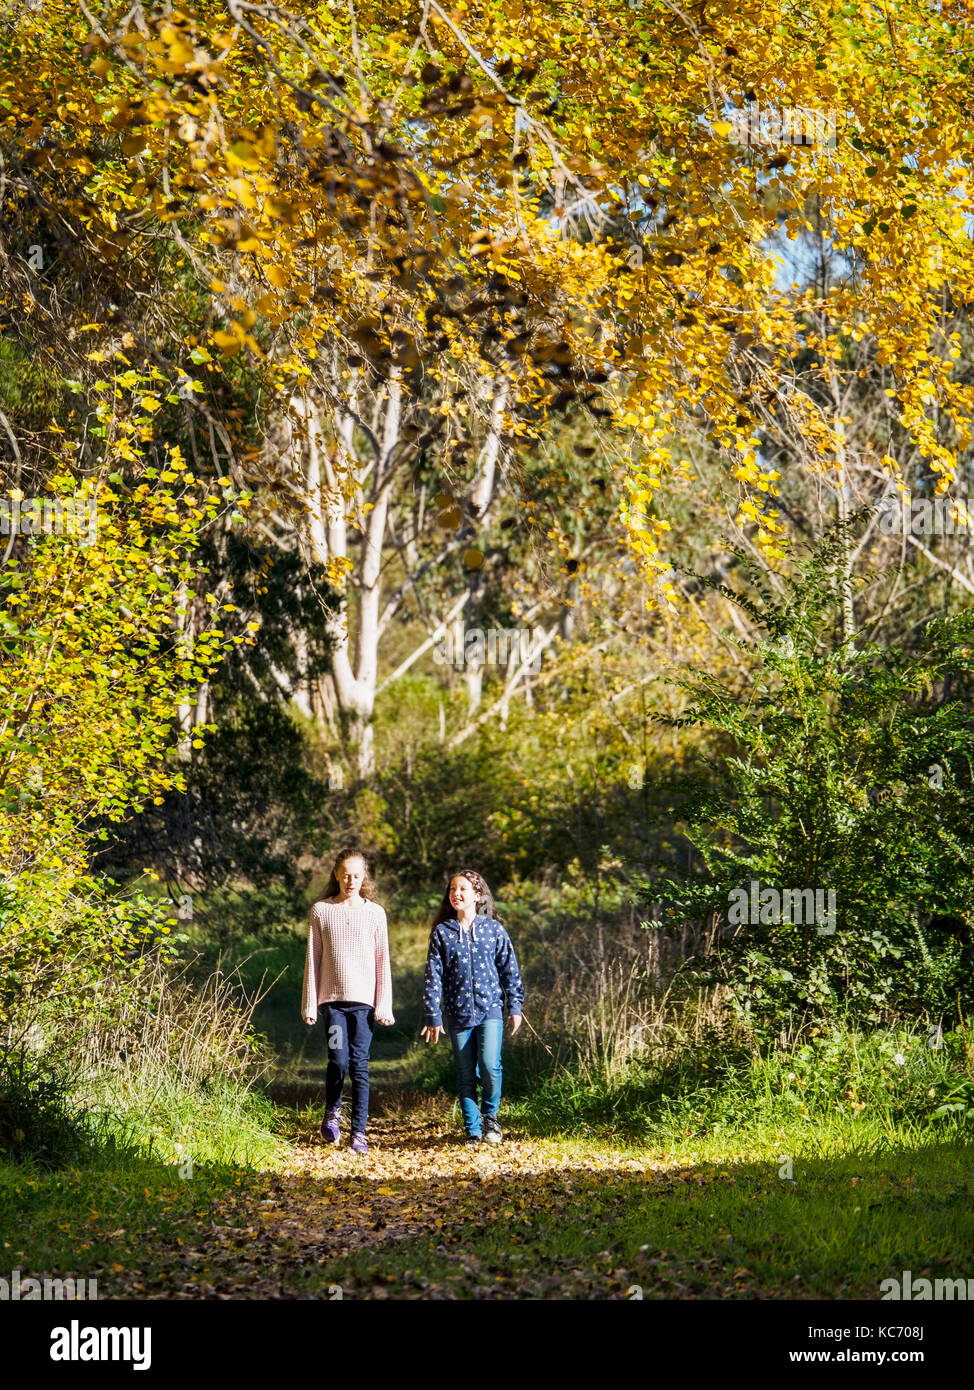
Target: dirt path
(331, 1223)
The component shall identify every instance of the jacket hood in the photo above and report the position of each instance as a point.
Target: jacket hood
(454, 925)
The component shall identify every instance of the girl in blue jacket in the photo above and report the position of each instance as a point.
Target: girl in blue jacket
(472, 980)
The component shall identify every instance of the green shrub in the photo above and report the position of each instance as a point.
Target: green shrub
(842, 767)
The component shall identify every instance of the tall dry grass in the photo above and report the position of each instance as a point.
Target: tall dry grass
(613, 995)
(156, 1051)
(171, 1023)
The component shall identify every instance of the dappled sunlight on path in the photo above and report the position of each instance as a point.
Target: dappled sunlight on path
(419, 1180)
(425, 1216)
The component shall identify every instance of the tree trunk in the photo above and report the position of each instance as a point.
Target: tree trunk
(842, 501)
(335, 483)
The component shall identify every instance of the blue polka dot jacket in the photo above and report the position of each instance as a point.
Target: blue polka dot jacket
(470, 974)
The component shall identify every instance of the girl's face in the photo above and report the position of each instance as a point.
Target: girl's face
(350, 874)
(463, 895)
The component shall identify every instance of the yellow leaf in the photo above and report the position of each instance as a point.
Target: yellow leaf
(181, 52)
(226, 342)
(244, 153)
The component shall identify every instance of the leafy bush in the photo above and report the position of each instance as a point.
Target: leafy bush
(840, 767)
(70, 943)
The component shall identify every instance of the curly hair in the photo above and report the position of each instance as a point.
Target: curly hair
(485, 899)
(334, 888)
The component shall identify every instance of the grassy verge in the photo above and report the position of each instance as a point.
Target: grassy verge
(728, 1227)
(131, 1213)
(109, 1169)
(125, 1220)
(574, 1228)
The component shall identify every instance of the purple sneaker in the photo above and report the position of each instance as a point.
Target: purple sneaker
(329, 1125)
(359, 1144)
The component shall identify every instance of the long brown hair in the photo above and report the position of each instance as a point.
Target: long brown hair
(485, 899)
(334, 888)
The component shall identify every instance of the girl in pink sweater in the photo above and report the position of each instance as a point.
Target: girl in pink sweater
(348, 983)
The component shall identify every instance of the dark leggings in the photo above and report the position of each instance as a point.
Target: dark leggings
(349, 1030)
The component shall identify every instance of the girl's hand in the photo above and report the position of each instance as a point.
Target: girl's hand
(432, 1035)
(386, 1022)
(309, 1019)
(515, 1022)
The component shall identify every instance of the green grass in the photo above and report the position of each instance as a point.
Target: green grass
(730, 1228)
(125, 1217)
(873, 1085)
(225, 1123)
(156, 1157)
(726, 1225)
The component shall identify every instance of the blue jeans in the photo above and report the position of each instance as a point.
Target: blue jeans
(477, 1052)
(349, 1030)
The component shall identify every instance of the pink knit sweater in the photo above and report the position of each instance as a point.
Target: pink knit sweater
(348, 957)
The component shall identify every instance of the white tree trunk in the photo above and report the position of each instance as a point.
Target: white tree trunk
(335, 485)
